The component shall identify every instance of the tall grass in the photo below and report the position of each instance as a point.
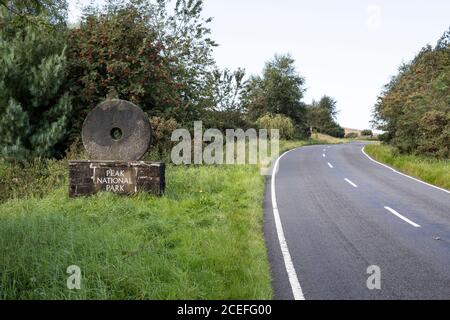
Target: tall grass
(202, 240)
(434, 171)
(35, 178)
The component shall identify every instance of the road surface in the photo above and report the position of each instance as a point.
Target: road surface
(339, 213)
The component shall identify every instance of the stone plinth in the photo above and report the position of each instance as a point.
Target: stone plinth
(89, 177)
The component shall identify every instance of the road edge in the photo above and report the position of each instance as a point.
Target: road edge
(289, 265)
(401, 173)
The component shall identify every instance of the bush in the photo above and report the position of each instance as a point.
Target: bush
(351, 135)
(32, 178)
(161, 137)
(280, 122)
(335, 130)
(367, 133)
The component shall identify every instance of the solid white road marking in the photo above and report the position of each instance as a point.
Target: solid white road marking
(354, 185)
(330, 165)
(415, 225)
(292, 275)
(405, 175)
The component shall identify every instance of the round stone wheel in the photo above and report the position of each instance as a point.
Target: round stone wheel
(116, 130)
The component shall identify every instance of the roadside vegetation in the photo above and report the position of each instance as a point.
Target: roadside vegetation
(413, 110)
(202, 240)
(431, 170)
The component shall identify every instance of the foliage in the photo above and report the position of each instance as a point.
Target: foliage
(25, 12)
(335, 130)
(282, 123)
(414, 108)
(351, 135)
(35, 109)
(157, 57)
(161, 134)
(435, 138)
(322, 117)
(34, 178)
(367, 133)
(113, 54)
(225, 112)
(185, 38)
(278, 91)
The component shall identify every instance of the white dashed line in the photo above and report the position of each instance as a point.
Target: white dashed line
(323, 155)
(292, 274)
(330, 165)
(415, 225)
(350, 182)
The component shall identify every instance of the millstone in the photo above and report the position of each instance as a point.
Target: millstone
(116, 130)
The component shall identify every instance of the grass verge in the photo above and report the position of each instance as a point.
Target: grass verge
(203, 240)
(436, 172)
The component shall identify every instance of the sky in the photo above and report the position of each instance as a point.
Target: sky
(346, 49)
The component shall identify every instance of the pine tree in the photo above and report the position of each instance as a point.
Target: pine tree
(34, 110)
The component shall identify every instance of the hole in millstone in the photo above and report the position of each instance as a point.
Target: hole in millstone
(116, 133)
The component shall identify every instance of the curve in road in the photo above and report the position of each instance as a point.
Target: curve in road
(334, 212)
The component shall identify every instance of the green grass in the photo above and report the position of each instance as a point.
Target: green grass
(202, 240)
(436, 172)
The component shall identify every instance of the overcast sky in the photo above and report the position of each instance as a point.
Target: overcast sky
(347, 49)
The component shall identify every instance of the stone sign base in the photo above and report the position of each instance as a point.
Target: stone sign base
(89, 177)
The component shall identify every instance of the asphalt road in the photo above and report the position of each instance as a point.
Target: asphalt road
(339, 213)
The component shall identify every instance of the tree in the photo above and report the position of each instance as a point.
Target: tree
(185, 38)
(322, 117)
(278, 91)
(329, 105)
(367, 133)
(34, 108)
(114, 54)
(225, 109)
(414, 106)
(52, 13)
